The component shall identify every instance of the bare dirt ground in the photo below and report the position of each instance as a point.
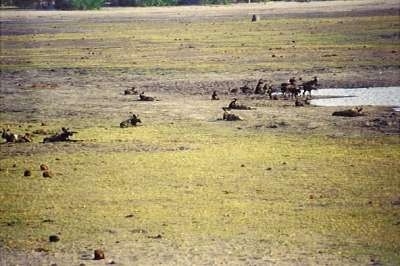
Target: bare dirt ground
(90, 99)
(48, 82)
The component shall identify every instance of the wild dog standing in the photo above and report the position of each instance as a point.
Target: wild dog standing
(214, 96)
(259, 88)
(285, 87)
(290, 88)
(269, 89)
(309, 86)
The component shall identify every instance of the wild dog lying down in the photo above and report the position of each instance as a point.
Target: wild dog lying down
(298, 103)
(235, 105)
(62, 136)
(230, 117)
(132, 121)
(15, 138)
(143, 97)
(130, 91)
(304, 102)
(357, 111)
(234, 90)
(246, 89)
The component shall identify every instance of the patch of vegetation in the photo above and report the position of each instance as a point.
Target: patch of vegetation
(87, 4)
(201, 47)
(264, 186)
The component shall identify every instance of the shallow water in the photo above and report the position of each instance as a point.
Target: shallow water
(379, 96)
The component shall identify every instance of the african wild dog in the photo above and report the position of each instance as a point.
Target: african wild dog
(132, 121)
(143, 97)
(63, 136)
(309, 86)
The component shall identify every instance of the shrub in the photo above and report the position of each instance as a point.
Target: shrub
(63, 4)
(158, 2)
(205, 2)
(87, 4)
(25, 3)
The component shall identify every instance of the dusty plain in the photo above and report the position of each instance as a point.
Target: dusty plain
(285, 186)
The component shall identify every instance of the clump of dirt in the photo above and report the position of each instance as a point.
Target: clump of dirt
(27, 173)
(99, 254)
(47, 174)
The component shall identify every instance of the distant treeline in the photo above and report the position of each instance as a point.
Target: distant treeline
(186, 2)
(96, 4)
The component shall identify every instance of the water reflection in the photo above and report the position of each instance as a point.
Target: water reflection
(382, 96)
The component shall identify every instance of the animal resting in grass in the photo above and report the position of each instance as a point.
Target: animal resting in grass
(132, 121)
(357, 111)
(64, 135)
(234, 105)
(246, 89)
(299, 103)
(230, 117)
(131, 91)
(143, 97)
(15, 138)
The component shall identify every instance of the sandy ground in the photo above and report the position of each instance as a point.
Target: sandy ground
(181, 101)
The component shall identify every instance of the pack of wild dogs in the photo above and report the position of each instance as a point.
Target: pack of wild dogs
(294, 89)
(11, 137)
(291, 89)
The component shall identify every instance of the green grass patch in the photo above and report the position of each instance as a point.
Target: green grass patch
(200, 47)
(223, 184)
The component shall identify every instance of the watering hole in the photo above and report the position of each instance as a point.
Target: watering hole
(379, 96)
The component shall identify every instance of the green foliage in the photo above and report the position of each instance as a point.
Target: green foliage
(215, 2)
(6, 3)
(25, 3)
(63, 4)
(205, 2)
(169, 2)
(158, 2)
(96, 4)
(87, 4)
